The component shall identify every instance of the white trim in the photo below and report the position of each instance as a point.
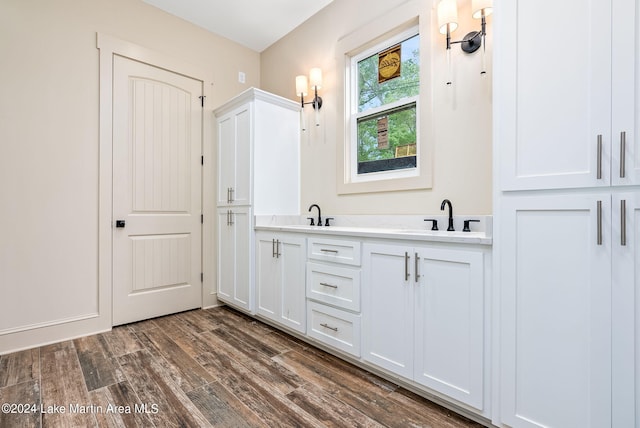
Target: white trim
(109, 47)
(49, 323)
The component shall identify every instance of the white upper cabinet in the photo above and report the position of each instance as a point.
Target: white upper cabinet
(258, 138)
(625, 138)
(234, 157)
(554, 82)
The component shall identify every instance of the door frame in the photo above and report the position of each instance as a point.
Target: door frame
(109, 47)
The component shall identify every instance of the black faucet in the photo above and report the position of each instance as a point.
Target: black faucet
(319, 215)
(448, 202)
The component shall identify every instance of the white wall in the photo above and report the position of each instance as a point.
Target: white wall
(461, 114)
(49, 135)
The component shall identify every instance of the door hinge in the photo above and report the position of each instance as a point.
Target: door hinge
(202, 97)
(201, 218)
(201, 277)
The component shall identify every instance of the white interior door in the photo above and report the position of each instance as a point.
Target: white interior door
(157, 144)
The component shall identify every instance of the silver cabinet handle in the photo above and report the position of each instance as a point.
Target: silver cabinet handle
(417, 275)
(228, 195)
(324, 284)
(228, 223)
(599, 172)
(329, 327)
(324, 250)
(230, 218)
(623, 222)
(599, 220)
(278, 249)
(231, 192)
(273, 248)
(623, 152)
(406, 266)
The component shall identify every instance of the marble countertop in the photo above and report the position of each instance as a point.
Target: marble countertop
(412, 228)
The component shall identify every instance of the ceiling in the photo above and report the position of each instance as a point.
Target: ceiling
(256, 24)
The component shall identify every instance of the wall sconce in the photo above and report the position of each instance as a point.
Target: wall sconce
(448, 23)
(315, 78)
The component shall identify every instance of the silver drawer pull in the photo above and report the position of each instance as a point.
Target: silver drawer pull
(623, 152)
(324, 250)
(599, 157)
(599, 221)
(406, 266)
(328, 285)
(623, 222)
(329, 327)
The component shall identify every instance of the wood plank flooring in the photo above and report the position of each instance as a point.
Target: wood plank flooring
(202, 368)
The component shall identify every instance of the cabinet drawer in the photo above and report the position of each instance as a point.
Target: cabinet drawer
(335, 285)
(334, 327)
(334, 250)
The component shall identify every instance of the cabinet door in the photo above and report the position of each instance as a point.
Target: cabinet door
(268, 276)
(234, 157)
(387, 307)
(293, 297)
(235, 258)
(553, 97)
(625, 64)
(626, 316)
(555, 319)
(449, 309)
(280, 279)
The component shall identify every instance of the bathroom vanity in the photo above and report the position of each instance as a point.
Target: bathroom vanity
(387, 294)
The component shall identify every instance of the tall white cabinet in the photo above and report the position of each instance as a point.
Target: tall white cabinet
(567, 176)
(258, 148)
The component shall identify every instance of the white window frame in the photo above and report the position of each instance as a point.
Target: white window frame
(395, 21)
(352, 72)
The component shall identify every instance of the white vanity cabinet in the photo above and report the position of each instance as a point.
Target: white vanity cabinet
(423, 316)
(333, 293)
(258, 143)
(280, 279)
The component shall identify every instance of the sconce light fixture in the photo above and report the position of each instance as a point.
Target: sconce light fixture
(448, 23)
(315, 78)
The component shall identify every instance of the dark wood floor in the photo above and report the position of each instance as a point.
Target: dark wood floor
(212, 367)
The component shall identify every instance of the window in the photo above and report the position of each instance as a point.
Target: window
(384, 109)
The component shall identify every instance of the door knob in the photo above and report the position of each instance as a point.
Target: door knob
(120, 223)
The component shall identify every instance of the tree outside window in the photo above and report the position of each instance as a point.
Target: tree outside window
(386, 122)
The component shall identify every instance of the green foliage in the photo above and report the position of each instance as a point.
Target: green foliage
(401, 123)
(401, 131)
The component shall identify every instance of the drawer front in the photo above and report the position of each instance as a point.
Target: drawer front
(335, 285)
(334, 327)
(334, 250)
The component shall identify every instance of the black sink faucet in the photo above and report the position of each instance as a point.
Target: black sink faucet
(319, 215)
(448, 202)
